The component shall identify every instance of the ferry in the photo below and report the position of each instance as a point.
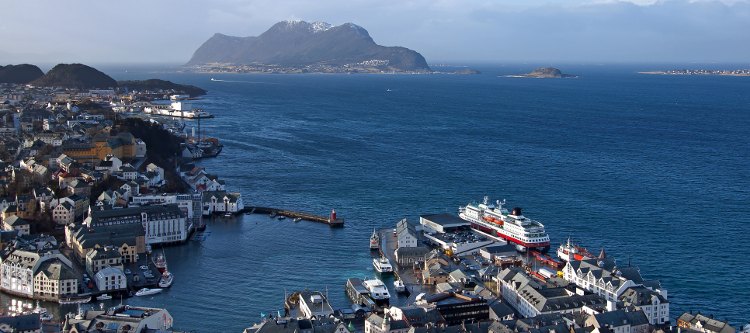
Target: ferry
(569, 252)
(378, 291)
(374, 241)
(513, 227)
(146, 291)
(382, 265)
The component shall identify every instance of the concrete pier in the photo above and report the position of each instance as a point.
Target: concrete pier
(336, 223)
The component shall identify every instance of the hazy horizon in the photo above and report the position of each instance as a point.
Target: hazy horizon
(447, 31)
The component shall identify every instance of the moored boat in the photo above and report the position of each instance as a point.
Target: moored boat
(166, 279)
(378, 291)
(382, 265)
(570, 251)
(374, 241)
(147, 291)
(75, 300)
(513, 227)
(399, 286)
(103, 297)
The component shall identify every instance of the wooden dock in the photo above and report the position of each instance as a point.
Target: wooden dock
(335, 223)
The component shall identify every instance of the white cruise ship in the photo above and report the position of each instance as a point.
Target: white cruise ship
(378, 291)
(513, 227)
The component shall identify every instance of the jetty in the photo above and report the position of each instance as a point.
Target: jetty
(331, 220)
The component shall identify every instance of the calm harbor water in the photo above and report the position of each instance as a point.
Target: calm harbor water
(652, 168)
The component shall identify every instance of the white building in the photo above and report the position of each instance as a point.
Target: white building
(162, 224)
(110, 278)
(64, 213)
(653, 304)
(21, 226)
(406, 234)
(603, 277)
(222, 202)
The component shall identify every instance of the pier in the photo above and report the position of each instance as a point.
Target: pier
(332, 221)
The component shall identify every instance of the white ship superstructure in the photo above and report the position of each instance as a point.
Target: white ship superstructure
(513, 227)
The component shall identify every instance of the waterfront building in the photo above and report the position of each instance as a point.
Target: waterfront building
(189, 203)
(619, 321)
(128, 239)
(408, 256)
(294, 325)
(99, 258)
(110, 279)
(222, 202)
(25, 323)
(417, 316)
(406, 234)
(55, 279)
(702, 323)
(603, 277)
(313, 304)
(530, 298)
(20, 226)
(653, 304)
(442, 223)
(123, 318)
(46, 275)
(161, 224)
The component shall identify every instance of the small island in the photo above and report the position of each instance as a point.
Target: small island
(545, 73)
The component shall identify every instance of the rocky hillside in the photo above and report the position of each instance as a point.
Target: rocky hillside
(23, 73)
(300, 43)
(75, 76)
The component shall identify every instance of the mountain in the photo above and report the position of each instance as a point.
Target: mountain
(156, 84)
(300, 43)
(23, 73)
(75, 76)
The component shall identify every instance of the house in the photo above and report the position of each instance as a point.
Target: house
(15, 223)
(47, 275)
(620, 321)
(500, 311)
(221, 202)
(294, 325)
(417, 316)
(64, 213)
(702, 323)
(604, 277)
(653, 304)
(128, 239)
(377, 324)
(406, 234)
(110, 278)
(530, 298)
(56, 279)
(102, 257)
(407, 256)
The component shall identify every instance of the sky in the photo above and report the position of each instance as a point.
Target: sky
(444, 31)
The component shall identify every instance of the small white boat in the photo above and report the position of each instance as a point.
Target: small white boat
(297, 219)
(281, 217)
(399, 286)
(147, 291)
(227, 214)
(382, 265)
(166, 280)
(103, 297)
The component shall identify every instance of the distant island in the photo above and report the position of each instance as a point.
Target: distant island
(304, 47)
(725, 72)
(545, 73)
(156, 84)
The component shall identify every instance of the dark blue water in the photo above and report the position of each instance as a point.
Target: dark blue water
(652, 168)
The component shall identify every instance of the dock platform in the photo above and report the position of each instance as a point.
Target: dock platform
(332, 221)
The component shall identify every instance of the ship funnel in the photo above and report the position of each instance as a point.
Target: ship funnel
(516, 211)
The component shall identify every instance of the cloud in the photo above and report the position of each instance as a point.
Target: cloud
(443, 30)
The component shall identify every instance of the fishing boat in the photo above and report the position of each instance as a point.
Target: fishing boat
(147, 291)
(160, 262)
(382, 265)
(570, 251)
(103, 297)
(374, 241)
